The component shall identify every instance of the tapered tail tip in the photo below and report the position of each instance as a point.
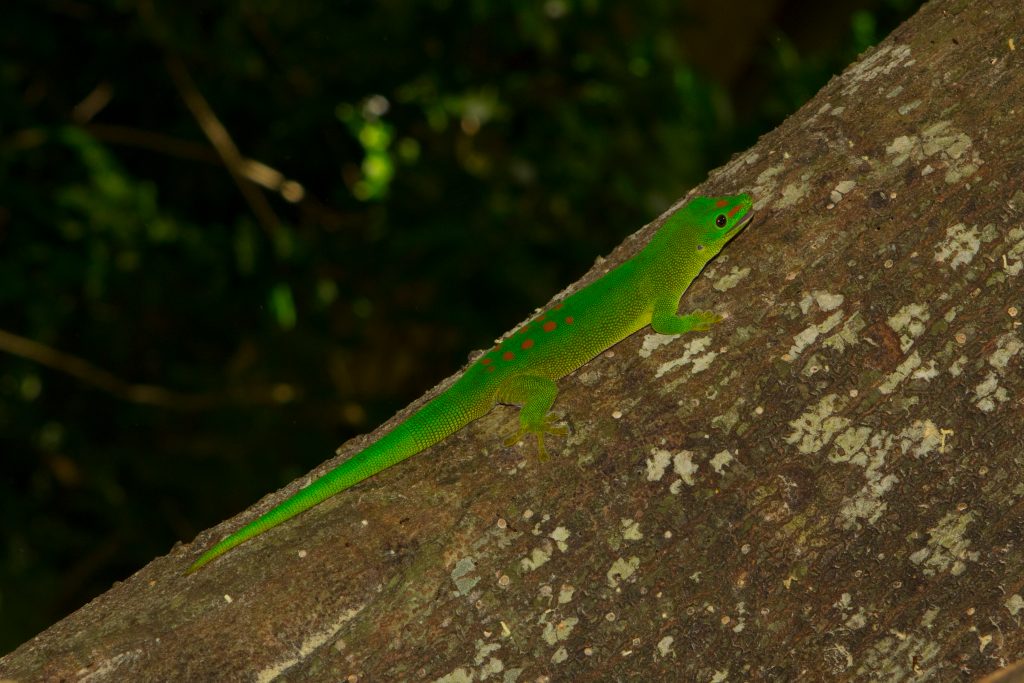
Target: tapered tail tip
(200, 563)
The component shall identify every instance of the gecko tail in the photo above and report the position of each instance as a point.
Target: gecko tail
(432, 423)
(348, 474)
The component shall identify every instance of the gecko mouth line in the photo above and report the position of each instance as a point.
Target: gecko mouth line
(739, 226)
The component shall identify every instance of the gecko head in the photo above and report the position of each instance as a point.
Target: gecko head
(716, 220)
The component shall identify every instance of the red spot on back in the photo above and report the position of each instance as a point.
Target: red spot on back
(722, 203)
(490, 369)
(568, 320)
(508, 355)
(550, 325)
(734, 210)
(527, 344)
(557, 306)
(485, 361)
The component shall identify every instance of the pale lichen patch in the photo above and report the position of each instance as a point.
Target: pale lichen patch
(622, 570)
(555, 633)
(460, 675)
(658, 463)
(309, 645)
(909, 323)
(1015, 603)
(793, 193)
(901, 148)
(959, 247)
(939, 138)
(948, 547)
(844, 603)
(1007, 346)
(1013, 258)
(956, 368)
(631, 530)
(849, 446)
(952, 147)
(460, 575)
(988, 393)
(765, 184)
(817, 425)
(537, 558)
(702, 363)
(928, 372)
(899, 657)
(857, 621)
(908, 107)
(826, 301)
(487, 665)
(877, 63)
(921, 438)
(810, 334)
(901, 373)
(720, 460)
(104, 669)
(847, 334)
(665, 646)
(684, 466)
(727, 420)
(861, 447)
(560, 535)
(841, 189)
(653, 342)
(695, 353)
(484, 650)
(730, 280)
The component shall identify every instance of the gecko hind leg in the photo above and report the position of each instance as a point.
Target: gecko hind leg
(535, 395)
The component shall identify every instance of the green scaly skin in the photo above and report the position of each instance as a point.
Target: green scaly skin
(523, 367)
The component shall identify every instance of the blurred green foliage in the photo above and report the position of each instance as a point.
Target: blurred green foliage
(430, 172)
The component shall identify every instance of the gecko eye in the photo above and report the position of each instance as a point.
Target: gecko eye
(720, 221)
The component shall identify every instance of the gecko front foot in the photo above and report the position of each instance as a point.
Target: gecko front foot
(701, 321)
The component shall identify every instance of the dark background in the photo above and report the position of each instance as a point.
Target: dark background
(176, 342)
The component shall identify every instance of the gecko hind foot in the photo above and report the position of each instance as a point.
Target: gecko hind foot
(549, 425)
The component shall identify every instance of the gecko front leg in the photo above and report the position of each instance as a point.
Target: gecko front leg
(665, 320)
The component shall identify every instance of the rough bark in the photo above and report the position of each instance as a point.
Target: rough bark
(827, 485)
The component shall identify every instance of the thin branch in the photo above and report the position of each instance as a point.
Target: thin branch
(146, 394)
(152, 141)
(221, 140)
(93, 103)
(252, 170)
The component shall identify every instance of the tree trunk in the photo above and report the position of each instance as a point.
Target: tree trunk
(826, 485)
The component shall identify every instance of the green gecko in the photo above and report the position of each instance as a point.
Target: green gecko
(522, 368)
